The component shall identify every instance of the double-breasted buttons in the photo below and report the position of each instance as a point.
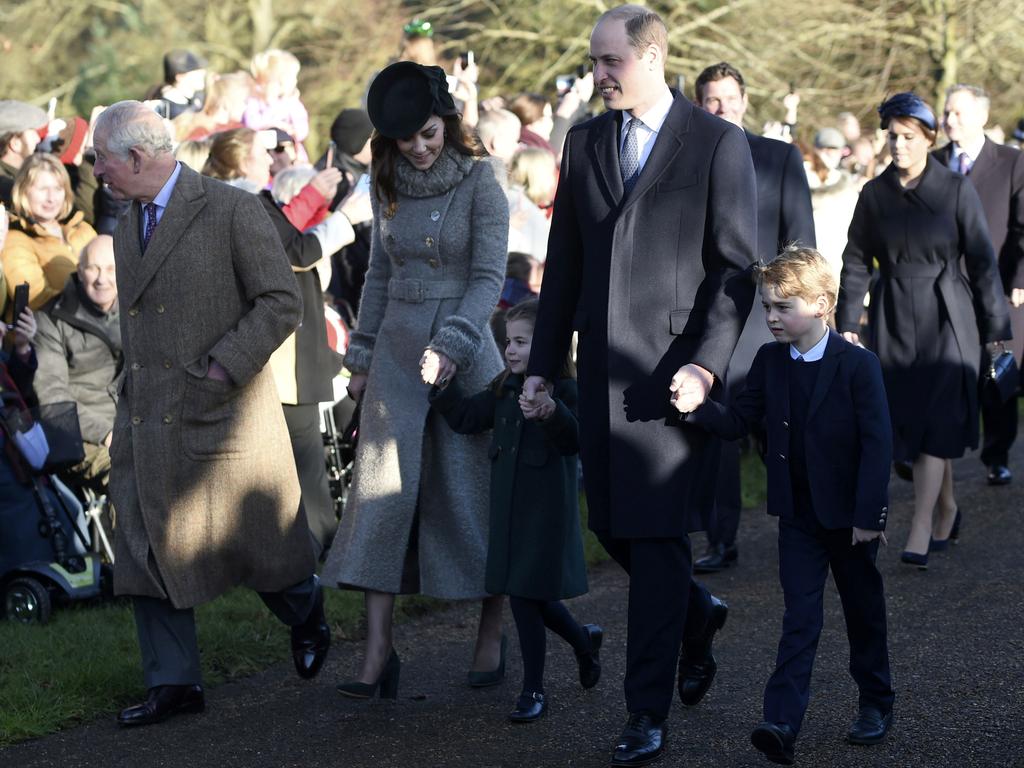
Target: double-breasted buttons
(136, 366)
(133, 311)
(167, 364)
(429, 242)
(782, 456)
(399, 261)
(136, 420)
(168, 419)
(785, 424)
(434, 263)
(159, 309)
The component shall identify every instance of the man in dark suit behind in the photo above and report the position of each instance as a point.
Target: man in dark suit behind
(652, 234)
(784, 217)
(997, 173)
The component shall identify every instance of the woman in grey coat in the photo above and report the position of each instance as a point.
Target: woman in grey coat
(417, 515)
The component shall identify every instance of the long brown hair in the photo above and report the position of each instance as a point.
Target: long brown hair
(527, 310)
(385, 154)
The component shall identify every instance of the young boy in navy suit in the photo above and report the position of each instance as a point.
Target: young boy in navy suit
(822, 403)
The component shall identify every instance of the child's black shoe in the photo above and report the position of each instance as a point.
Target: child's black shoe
(590, 661)
(529, 707)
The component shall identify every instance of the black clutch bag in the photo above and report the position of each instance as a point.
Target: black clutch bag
(1003, 376)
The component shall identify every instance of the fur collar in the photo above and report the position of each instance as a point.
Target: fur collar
(448, 170)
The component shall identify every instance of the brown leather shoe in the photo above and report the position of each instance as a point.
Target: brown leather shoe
(164, 701)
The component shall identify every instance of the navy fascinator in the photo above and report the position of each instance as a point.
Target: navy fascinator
(907, 105)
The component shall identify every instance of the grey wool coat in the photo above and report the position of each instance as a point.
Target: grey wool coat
(202, 474)
(436, 271)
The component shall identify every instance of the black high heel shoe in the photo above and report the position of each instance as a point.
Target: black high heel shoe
(589, 661)
(387, 682)
(492, 677)
(912, 558)
(954, 532)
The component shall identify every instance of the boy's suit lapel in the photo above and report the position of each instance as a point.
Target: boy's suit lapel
(829, 366)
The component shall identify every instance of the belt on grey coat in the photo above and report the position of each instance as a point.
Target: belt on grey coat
(418, 291)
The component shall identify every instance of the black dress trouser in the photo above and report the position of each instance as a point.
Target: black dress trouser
(807, 552)
(665, 605)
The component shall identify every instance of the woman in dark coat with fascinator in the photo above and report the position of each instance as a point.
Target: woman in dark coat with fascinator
(928, 317)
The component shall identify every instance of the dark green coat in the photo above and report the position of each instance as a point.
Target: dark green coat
(535, 549)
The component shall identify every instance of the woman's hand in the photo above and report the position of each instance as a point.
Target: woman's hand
(24, 332)
(326, 182)
(436, 368)
(357, 207)
(539, 408)
(356, 386)
(852, 337)
(1017, 297)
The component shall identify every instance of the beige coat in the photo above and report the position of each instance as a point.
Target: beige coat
(203, 478)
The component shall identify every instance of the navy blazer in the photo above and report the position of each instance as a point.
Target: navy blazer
(848, 435)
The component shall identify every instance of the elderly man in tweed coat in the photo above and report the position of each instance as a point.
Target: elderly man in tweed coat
(202, 473)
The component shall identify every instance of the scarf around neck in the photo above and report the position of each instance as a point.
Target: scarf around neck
(448, 170)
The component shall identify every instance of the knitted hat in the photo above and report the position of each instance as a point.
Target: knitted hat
(350, 130)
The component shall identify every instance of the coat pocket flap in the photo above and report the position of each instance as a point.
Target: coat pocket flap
(678, 319)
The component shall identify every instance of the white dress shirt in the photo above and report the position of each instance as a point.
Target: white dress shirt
(972, 151)
(647, 128)
(812, 355)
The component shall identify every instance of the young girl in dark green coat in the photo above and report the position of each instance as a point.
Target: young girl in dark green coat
(535, 549)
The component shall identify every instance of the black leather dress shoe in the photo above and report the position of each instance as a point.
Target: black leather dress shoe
(998, 474)
(696, 673)
(311, 640)
(642, 740)
(164, 701)
(529, 707)
(776, 741)
(870, 727)
(589, 662)
(718, 559)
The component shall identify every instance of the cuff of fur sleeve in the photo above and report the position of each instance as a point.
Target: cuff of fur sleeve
(359, 353)
(460, 340)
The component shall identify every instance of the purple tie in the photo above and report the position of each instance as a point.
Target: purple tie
(150, 211)
(965, 163)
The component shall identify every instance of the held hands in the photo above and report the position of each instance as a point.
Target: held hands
(540, 407)
(862, 535)
(436, 368)
(690, 387)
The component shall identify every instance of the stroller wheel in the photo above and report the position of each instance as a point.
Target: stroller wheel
(27, 601)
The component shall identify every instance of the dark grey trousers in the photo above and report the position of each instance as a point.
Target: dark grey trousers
(167, 635)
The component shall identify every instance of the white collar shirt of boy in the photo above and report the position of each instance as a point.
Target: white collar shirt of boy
(812, 355)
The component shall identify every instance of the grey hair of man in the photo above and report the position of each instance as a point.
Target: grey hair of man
(976, 91)
(131, 124)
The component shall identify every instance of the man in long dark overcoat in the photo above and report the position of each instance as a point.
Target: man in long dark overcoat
(653, 231)
(784, 217)
(202, 477)
(997, 173)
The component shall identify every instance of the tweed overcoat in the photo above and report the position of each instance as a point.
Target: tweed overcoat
(436, 271)
(202, 474)
(928, 316)
(658, 278)
(535, 548)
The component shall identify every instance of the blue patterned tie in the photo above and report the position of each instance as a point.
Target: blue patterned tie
(629, 160)
(965, 163)
(150, 211)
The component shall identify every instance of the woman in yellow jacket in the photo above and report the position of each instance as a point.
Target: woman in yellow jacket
(45, 237)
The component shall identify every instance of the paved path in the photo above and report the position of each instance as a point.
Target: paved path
(956, 642)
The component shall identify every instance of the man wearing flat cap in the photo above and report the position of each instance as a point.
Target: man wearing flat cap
(21, 128)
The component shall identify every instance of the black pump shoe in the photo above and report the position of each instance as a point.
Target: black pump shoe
(491, 677)
(387, 683)
(530, 706)
(589, 662)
